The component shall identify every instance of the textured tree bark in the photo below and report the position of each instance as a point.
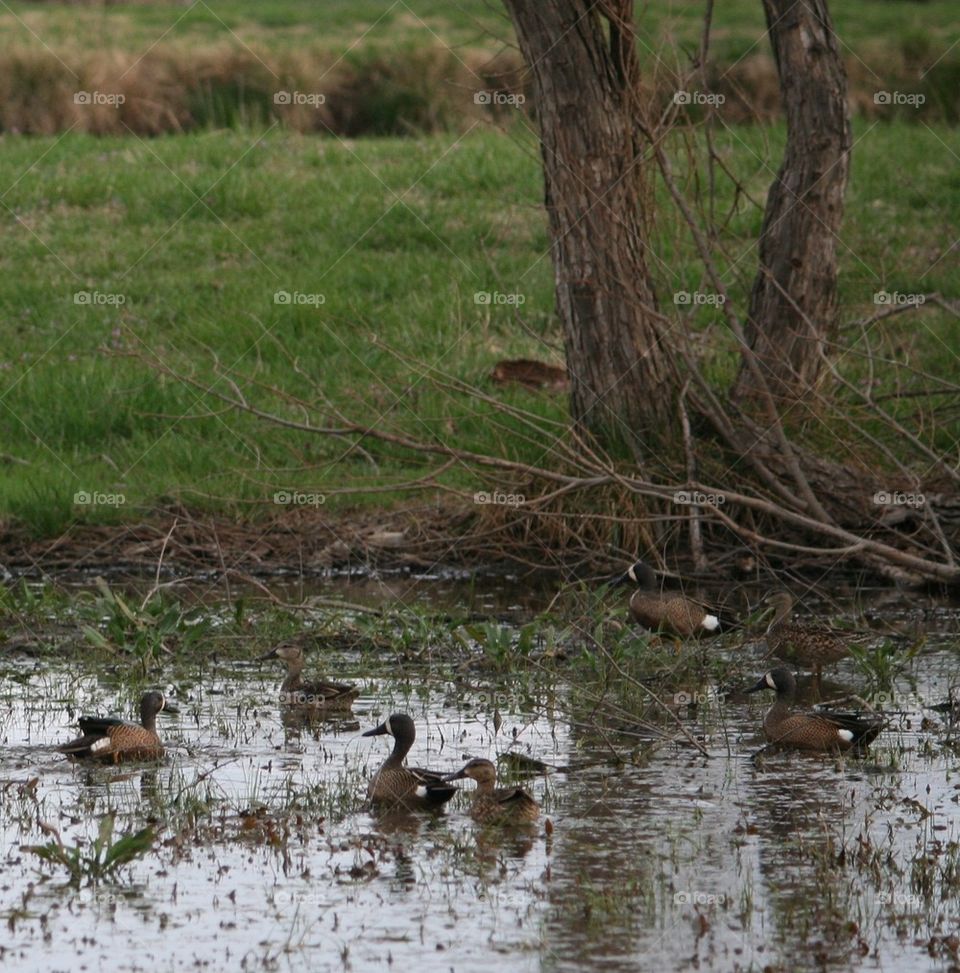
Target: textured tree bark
(793, 302)
(582, 55)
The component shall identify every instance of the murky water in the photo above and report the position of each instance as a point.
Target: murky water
(659, 858)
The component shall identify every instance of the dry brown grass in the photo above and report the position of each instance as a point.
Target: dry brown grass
(175, 88)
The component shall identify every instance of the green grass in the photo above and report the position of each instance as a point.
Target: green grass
(198, 232)
(867, 27)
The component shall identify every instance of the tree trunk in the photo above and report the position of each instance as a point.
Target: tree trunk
(793, 302)
(582, 55)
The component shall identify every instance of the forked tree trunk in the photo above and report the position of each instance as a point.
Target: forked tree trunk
(582, 56)
(793, 302)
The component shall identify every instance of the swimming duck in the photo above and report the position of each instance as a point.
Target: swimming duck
(492, 804)
(411, 787)
(810, 730)
(803, 645)
(664, 610)
(111, 739)
(320, 694)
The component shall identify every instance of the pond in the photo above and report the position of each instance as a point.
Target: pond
(649, 854)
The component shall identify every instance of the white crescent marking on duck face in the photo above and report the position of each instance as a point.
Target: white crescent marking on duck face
(102, 744)
(386, 724)
(421, 791)
(631, 574)
(845, 735)
(710, 622)
(770, 681)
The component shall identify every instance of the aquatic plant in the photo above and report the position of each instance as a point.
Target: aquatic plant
(105, 858)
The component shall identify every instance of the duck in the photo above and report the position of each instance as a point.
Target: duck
(395, 784)
(802, 645)
(319, 694)
(492, 804)
(810, 730)
(663, 610)
(112, 740)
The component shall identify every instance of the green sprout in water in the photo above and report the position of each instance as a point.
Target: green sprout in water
(105, 858)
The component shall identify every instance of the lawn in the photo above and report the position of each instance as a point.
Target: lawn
(180, 245)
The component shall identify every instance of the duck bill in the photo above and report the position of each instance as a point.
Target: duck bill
(377, 731)
(457, 775)
(621, 579)
(272, 654)
(170, 708)
(758, 686)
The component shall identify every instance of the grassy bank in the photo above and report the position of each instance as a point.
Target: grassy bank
(178, 246)
(381, 68)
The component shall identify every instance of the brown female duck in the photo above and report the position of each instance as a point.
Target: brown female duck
(492, 804)
(802, 645)
(319, 694)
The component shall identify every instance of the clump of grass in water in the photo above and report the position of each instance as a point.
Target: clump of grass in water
(146, 631)
(106, 856)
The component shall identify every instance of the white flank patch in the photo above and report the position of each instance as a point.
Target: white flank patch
(845, 735)
(710, 622)
(102, 744)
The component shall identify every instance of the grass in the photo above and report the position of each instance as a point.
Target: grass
(402, 66)
(184, 241)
